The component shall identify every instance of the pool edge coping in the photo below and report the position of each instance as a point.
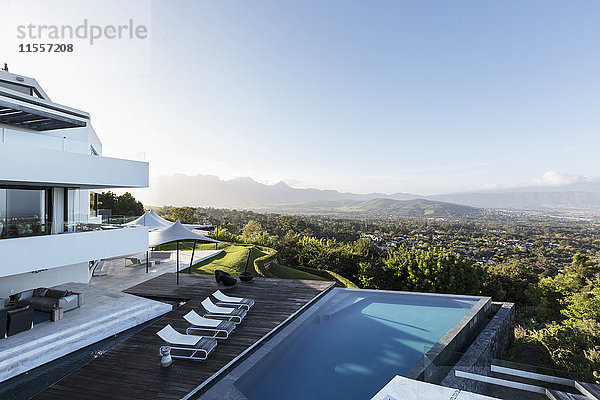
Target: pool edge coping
(483, 306)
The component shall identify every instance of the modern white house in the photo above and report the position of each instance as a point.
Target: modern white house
(50, 159)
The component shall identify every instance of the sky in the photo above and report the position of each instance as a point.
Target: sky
(422, 97)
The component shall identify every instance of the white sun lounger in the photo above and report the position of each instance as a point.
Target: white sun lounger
(234, 315)
(220, 329)
(190, 347)
(228, 301)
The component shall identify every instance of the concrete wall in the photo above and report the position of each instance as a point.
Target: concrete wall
(25, 165)
(17, 283)
(27, 254)
(495, 339)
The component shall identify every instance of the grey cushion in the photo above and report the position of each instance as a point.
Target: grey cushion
(24, 295)
(57, 293)
(39, 303)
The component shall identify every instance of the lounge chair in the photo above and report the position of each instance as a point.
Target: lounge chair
(228, 301)
(220, 329)
(234, 315)
(190, 347)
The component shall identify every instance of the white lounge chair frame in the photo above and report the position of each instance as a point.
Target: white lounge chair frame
(218, 312)
(228, 301)
(207, 324)
(185, 344)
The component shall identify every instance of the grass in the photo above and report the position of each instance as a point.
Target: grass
(283, 272)
(233, 261)
(331, 276)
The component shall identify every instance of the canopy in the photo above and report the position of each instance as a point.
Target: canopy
(154, 221)
(151, 220)
(175, 233)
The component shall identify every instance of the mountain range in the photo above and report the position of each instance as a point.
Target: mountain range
(208, 190)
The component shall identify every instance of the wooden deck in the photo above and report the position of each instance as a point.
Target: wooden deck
(131, 370)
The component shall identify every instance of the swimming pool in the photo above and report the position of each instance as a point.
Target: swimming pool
(351, 343)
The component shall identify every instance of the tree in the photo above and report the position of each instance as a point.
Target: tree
(125, 204)
(433, 270)
(185, 215)
(251, 228)
(512, 281)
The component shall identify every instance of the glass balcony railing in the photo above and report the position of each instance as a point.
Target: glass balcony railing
(29, 227)
(15, 136)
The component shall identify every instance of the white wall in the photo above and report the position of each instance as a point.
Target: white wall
(26, 254)
(35, 166)
(52, 277)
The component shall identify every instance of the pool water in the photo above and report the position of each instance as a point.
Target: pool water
(353, 345)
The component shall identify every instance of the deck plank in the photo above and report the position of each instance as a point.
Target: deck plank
(132, 368)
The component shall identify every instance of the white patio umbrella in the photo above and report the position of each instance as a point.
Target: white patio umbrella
(152, 220)
(175, 233)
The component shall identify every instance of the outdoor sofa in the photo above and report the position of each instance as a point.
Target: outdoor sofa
(44, 299)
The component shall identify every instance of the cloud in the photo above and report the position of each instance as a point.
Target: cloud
(554, 178)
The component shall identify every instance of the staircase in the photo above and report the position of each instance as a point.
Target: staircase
(104, 314)
(553, 387)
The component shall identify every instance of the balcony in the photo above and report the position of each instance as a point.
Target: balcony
(25, 165)
(27, 254)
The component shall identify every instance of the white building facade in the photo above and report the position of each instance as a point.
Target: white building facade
(50, 159)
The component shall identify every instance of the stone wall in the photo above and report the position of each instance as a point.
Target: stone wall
(495, 339)
(450, 347)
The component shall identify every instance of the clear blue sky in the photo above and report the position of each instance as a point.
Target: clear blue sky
(390, 96)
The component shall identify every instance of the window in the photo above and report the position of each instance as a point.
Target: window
(23, 212)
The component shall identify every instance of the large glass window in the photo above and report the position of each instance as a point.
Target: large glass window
(73, 210)
(23, 212)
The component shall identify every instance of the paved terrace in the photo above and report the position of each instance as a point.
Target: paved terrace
(120, 273)
(131, 370)
(105, 313)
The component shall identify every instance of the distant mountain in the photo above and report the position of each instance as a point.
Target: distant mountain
(410, 208)
(525, 200)
(207, 190)
(578, 195)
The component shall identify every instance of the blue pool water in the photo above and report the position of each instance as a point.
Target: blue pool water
(353, 345)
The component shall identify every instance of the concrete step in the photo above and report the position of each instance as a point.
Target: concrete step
(102, 269)
(589, 390)
(558, 395)
(62, 342)
(59, 333)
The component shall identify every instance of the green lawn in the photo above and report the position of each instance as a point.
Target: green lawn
(283, 272)
(232, 260)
